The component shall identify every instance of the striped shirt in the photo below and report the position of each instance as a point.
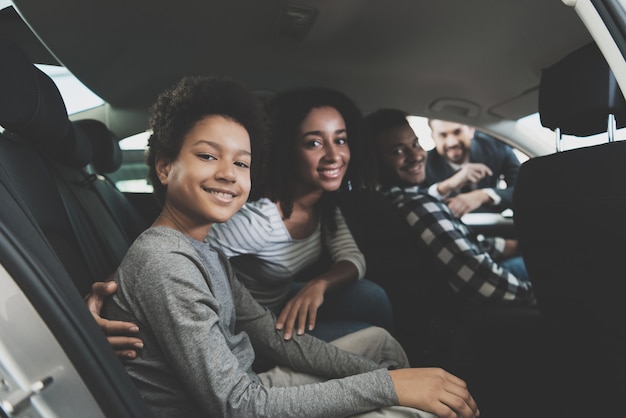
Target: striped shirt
(267, 259)
(469, 266)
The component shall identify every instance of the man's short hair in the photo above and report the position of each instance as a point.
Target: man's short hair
(385, 119)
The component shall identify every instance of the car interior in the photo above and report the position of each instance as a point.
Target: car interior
(65, 224)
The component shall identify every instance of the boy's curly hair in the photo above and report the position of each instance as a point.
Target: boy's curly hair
(193, 98)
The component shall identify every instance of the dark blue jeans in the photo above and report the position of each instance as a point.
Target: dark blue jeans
(516, 266)
(355, 307)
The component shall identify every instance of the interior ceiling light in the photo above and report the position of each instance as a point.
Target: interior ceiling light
(295, 21)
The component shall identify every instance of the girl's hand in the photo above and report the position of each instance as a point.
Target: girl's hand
(302, 306)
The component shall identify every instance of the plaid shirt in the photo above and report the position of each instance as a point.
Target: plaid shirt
(469, 265)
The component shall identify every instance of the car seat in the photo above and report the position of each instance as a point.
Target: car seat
(569, 213)
(107, 158)
(39, 222)
(49, 161)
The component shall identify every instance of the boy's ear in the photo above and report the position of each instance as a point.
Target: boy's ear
(162, 166)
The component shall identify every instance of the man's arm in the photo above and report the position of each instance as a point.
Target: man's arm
(469, 269)
(119, 333)
(470, 173)
(466, 202)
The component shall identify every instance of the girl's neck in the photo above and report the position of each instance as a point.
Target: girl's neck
(305, 198)
(303, 219)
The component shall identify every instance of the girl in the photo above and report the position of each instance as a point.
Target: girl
(279, 241)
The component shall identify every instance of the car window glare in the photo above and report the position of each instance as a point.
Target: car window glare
(422, 131)
(572, 142)
(532, 123)
(135, 142)
(132, 177)
(76, 95)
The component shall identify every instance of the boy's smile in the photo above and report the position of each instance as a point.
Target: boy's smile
(209, 181)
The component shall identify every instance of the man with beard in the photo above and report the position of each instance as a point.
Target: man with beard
(465, 167)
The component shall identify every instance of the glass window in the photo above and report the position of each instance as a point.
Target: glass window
(422, 131)
(132, 176)
(76, 95)
(533, 123)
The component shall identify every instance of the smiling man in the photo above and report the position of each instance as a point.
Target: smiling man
(465, 167)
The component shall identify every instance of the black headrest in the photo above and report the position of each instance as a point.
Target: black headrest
(107, 155)
(578, 93)
(32, 107)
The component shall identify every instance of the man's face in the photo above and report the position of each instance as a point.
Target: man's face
(452, 140)
(402, 158)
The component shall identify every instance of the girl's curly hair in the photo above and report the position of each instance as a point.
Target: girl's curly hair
(193, 98)
(286, 111)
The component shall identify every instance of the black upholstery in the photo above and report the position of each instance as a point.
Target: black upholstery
(578, 93)
(569, 213)
(50, 246)
(107, 155)
(107, 158)
(87, 220)
(31, 104)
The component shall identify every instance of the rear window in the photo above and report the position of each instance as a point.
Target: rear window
(76, 95)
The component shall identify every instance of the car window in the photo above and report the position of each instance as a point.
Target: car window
(532, 123)
(132, 176)
(76, 95)
(422, 131)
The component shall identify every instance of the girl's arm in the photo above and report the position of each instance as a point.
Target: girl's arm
(300, 312)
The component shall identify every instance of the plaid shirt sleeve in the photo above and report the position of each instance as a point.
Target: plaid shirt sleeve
(494, 246)
(469, 270)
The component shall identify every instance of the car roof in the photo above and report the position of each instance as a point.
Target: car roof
(477, 62)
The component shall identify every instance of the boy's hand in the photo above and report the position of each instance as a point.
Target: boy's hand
(434, 390)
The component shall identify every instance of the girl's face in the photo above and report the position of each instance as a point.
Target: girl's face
(322, 150)
(209, 181)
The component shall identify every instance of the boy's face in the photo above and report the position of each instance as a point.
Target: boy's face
(322, 150)
(452, 140)
(209, 181)
(402, 157)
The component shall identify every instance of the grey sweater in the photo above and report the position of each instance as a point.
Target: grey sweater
(199, 326)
